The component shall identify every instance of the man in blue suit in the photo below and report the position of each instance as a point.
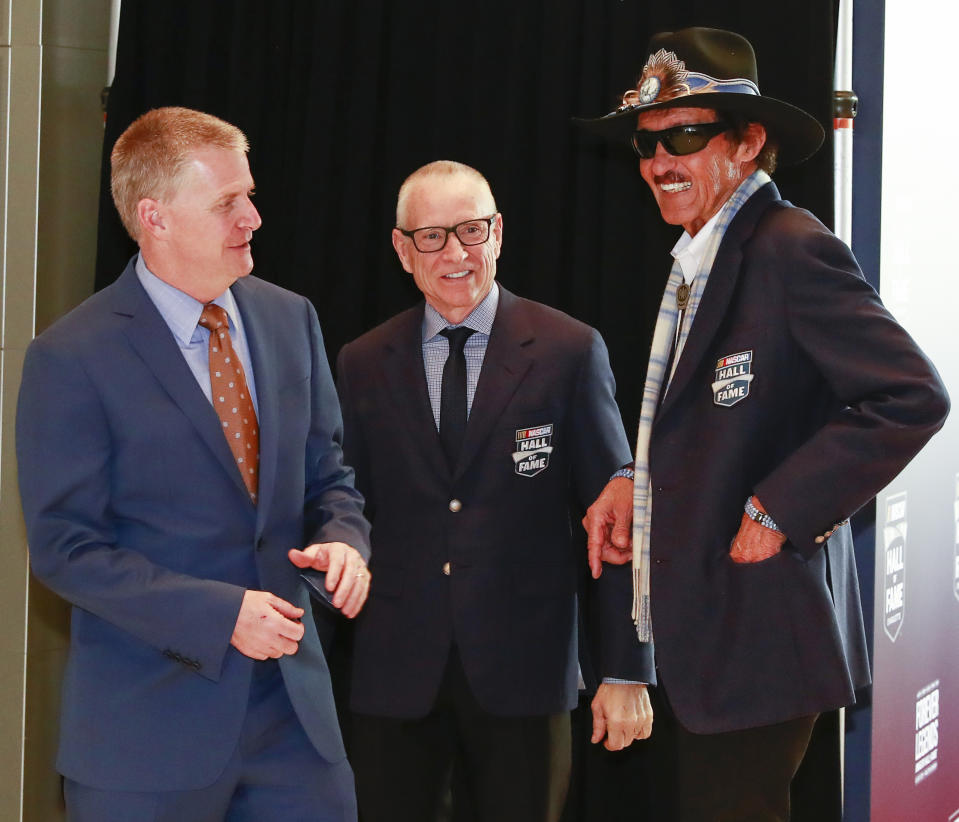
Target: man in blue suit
(780, 396)
(178, 438)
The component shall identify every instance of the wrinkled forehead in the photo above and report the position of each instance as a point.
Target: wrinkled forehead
(661, 118)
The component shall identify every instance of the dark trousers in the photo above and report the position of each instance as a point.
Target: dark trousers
(513, 769)
(739, 776)
(274, 773)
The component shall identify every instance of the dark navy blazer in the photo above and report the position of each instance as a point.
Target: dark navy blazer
(841, 398)
(137, 515)
(509, 601)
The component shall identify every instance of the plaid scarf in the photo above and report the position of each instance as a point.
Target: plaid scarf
(657, 383)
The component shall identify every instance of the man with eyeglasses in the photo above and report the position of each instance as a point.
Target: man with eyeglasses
(474, 421)
(780, 396)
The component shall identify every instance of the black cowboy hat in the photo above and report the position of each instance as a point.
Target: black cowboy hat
(710, 68)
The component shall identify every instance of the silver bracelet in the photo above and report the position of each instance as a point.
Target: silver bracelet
(758, 516)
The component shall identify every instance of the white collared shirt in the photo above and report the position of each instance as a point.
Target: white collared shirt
(689, 251)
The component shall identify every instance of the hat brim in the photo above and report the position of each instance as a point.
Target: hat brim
(798, 134)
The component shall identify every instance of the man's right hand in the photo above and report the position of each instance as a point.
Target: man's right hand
(267, 627)
(609, 526)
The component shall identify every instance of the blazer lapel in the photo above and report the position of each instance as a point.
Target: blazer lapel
(403, 370)
(504, 366)
(259, 338)
(720, 286)
(152, 339)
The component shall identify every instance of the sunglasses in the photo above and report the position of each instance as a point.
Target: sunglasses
(678, 140)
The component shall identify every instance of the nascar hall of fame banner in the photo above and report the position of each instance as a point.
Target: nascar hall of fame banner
(915, 723)
(915, 695)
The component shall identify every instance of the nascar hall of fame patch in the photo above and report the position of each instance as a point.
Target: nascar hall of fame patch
(955, 556)
(734, 372)
(894, 576)
(533, 447)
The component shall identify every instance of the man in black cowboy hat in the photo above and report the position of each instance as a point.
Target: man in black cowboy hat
(790, 401)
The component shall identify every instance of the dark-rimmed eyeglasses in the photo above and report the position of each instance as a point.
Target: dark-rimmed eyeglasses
(433, 238)
(678, 140)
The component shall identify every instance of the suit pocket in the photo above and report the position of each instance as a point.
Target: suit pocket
(776, 558)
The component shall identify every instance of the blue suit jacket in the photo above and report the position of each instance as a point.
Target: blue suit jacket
(137, 515)
(841, 398)
(509, 601)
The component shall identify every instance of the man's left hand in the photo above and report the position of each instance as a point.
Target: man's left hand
(755, 542)
(346, 573)
(621, 713)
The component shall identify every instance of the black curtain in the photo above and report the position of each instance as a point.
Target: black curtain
(342, 99)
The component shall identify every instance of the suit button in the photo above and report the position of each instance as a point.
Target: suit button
(455, 505)
(446, 568)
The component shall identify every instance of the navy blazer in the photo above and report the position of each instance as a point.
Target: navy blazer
(509, 600)
(137, 515)
(840, 399)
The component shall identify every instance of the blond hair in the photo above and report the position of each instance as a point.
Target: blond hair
(150, 157)
(438, 168)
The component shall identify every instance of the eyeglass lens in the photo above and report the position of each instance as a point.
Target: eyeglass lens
(678, 140)
(470, 232)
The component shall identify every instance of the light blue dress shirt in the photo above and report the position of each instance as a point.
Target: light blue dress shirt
(182, 313)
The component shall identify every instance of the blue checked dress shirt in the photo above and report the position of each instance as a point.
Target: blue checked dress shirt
(436, 348)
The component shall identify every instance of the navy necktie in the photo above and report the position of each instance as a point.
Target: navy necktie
(453, 394)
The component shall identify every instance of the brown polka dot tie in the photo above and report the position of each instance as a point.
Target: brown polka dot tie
(231, 397)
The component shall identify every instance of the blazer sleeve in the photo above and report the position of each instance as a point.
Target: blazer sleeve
(65, 474)
(892, 399)
(623, 655)
(355, 450)
(601, 448)
(599, 439)
(334, 507)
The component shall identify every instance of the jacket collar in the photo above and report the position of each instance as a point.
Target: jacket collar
(506, 362)
(720, 286)
(153, 341)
